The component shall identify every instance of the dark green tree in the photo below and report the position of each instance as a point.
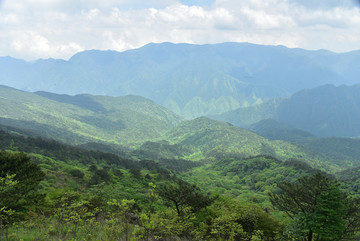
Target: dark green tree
(182, 194)
(20, 178)
(316, 206)
(136, 172)
(28, 175)
(99, 176)
(352, 217)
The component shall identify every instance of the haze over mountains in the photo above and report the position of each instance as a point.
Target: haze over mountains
(323, 111)
(190, 80)
(136, 127)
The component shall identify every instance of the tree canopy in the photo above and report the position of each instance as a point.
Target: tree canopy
(24, 176)
(318, 209)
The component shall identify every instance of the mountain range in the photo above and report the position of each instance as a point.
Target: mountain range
(272, 85)
(191, 80)
(323, 111)
(137, 128)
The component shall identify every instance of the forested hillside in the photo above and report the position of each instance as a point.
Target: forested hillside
(85, 118)
(141, 129)
(74, 193)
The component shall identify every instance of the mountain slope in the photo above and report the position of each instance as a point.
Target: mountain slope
(191, 80)
(345, 151)
(275, 130)
(85, 118)
(323, 111)
(212, 140)
(247, 116)
(249, 178)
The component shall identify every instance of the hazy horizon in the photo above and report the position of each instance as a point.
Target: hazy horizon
(37, 29)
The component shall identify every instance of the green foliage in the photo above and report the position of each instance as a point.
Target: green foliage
(183, 195)
(213, 140)
(136, 172)
(233, 220)
(19, 180)
(23, 176)
(161, 150)
(119, 221)
(247, 178)
(76, 173)
(179, 165)
(7, 185)
(316, 206)
(61, 152)
(100, 175)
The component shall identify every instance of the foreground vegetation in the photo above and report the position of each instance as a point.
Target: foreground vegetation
(54, 191)
(152, 203)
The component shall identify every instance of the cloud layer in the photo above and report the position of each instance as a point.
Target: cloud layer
(34, 29)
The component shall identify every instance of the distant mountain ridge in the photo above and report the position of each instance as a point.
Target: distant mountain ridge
(323, 111)
(191, 80)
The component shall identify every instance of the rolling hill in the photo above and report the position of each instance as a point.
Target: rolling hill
(137, 128)
(190, 80)
(249, 179)
(208, 140)
(85, 118)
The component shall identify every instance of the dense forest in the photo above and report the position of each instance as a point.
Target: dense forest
(54, 191)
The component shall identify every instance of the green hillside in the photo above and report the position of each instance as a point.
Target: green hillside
(211, 140)
(342, 150)
(250, 178)
(95, 195)
(85, 118)
(138, 128)
(91, 195)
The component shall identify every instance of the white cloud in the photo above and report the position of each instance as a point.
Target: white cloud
(36, 45)
(59, 28)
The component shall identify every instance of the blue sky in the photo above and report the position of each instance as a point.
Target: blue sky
(32, 29)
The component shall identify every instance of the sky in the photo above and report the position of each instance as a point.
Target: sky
(32, 29)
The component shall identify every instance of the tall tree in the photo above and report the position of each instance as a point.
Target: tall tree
(182, 194)
(316, 205)
(27, 176)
